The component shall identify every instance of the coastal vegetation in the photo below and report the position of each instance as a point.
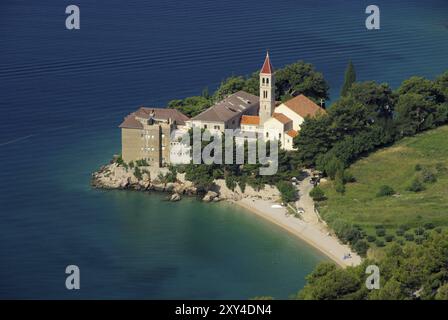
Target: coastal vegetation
(411, 271)
(292, 80)
(349, 79)
(400, 193)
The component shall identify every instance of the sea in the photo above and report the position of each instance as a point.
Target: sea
(63, 94)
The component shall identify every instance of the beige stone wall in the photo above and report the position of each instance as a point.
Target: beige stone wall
(131, 144)
(151, 143)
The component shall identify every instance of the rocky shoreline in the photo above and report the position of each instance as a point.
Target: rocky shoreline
(146, 178)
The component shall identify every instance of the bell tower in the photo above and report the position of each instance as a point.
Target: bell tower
(267, 91)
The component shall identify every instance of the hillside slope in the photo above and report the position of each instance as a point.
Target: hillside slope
(396, 166)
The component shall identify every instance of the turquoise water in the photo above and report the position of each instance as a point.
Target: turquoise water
(63, 94)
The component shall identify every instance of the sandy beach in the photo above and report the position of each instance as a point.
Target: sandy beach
(309, 228)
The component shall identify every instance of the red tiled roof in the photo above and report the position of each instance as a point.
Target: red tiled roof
(254, 120)
(267, 66)
(303, 106)
(292, 133)
(281, 117)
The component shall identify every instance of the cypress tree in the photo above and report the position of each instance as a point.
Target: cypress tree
(350, 78)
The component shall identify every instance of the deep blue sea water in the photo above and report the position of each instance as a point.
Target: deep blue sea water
(63, 93)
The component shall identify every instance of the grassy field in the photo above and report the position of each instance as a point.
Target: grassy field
(396, 166)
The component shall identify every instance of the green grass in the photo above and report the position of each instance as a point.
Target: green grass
(394, 166)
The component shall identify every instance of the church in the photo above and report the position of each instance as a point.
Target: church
(263, 115)
(146, 133)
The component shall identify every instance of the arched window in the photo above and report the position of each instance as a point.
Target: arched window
(263, 80)
(267, 80)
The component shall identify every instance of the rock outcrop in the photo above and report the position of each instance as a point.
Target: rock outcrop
(146, 178)
(175, 197)
(210, 196)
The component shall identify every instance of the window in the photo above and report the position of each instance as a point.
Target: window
(216, 127)
(267, 80)
(267, 134)
(263, 80)
(205, 126)
(279, 136)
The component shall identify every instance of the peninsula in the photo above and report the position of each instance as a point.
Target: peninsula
(154, 158)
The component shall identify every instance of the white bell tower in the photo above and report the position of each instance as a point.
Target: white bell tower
(267, 91)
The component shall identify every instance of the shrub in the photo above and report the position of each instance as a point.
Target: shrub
(399, 232)
(119, 160)
(361, 247)
(379, 226)
(441, 167)
(419, 240)
(142, 163)
(428, 176)
(419, 231)
(287, 190)
(333, 166)
(166, 178)
(131, 164)
(400, 242)
(438, 230)
(138, 173)
(380, 232)
(230, 182)
(317, 194)
(418, 167)
(371, 238)
(404, 227)
(385, 191)
(409, 237)
(416, 186)
(346, 232)
(389, 238)
(379, 243)
(339, 182)
(348, 177)
(429, 226)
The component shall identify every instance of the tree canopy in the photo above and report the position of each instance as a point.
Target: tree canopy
(349, 79)
(411, 271)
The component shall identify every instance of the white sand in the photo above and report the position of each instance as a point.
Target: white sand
(308, 229)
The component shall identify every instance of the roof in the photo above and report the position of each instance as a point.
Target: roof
(267, 66)
(292, 133)
(281, 117)
(255, 120)
(228, 108)
(303, 106)
(131, 121)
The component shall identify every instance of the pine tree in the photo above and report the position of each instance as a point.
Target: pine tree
(350, 78)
